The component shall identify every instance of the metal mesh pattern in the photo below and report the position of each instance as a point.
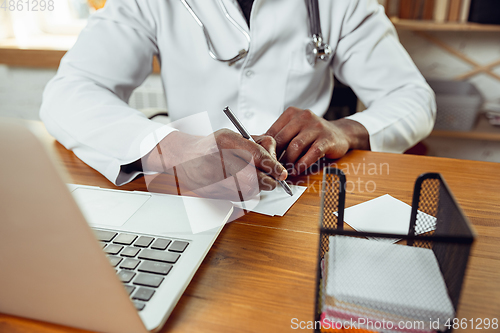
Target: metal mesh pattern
(331, 193)
(427, 210)
(332, 184)
(452, 222)
(332, 202)
(417, 280)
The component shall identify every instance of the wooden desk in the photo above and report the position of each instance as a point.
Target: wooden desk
(260, 272)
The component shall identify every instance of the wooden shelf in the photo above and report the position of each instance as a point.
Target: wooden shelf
(418, 25)
(40, 42)
(44, 51)
(482, 130)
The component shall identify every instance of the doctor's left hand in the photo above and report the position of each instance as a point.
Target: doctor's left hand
(306, 137)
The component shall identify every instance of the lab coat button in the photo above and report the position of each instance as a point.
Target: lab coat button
(249, 73)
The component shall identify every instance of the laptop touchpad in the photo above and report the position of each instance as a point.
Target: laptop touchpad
(108, 207)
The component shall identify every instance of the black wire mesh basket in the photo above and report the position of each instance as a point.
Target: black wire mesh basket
(383, 282)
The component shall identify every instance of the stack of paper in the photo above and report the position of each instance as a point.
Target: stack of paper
(276, 202)
(384, 282)
(386, 214)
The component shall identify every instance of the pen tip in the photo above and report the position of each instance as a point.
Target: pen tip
(285, 186)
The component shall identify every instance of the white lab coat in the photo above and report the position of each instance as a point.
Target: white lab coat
(85, 105)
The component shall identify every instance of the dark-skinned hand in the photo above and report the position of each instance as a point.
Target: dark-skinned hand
(306, 137)
(208, 165)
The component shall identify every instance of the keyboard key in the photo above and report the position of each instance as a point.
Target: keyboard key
(148, 280)
(160, 244)
(103, 245)
(129, 289)
(125, 239)
(130, 263)
(143, 241)
(143, 294)
(114, 260)
(104, 236)
(159, 256)
(139, 305)
(130, 252)
(126, 276)
(178, 246)
(113, 249)
(154, 267)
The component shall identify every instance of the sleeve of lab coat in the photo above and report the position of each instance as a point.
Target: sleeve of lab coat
(371, 60)
(85, 105)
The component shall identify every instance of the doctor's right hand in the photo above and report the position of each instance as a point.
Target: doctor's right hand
(223, 165)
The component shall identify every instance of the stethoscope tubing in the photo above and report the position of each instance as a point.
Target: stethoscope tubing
(316, 49)
(211, 48)
(314, 20)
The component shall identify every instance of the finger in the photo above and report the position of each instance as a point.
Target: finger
(267, 142)
(266, 183)
(243, 175)
(210, 184)
(248, 190)
(251, 180)
(299, 146)
(201, 171)
(256, 155)
(282, 121)
(305, 119)
(286, 135)
(316, 151)
(252, 153)
(240, 186)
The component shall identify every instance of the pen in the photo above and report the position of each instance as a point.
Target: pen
(243, 131)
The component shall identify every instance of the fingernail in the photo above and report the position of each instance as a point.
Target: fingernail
(283, 175)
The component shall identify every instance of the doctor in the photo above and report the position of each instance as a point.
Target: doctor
(274, 84)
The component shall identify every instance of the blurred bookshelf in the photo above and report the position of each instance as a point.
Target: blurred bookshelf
(429, 25)
(444, 15)
(426, 18)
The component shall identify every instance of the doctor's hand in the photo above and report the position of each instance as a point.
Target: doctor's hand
(306, 137)
(208, 166)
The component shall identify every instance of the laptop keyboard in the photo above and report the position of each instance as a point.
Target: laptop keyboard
(141, 262)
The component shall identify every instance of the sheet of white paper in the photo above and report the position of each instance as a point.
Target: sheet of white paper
(396, 279)
(276, 202)
(384, 214)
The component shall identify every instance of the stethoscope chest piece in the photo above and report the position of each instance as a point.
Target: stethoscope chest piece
(317, 49)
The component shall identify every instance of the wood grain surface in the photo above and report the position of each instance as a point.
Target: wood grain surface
(40, 56)
(260, 273)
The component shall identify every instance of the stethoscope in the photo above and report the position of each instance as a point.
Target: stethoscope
(316, 49)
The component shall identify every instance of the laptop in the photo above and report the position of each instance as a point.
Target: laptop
(97, 259)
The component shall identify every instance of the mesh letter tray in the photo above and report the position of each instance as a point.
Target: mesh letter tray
(366, 284)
